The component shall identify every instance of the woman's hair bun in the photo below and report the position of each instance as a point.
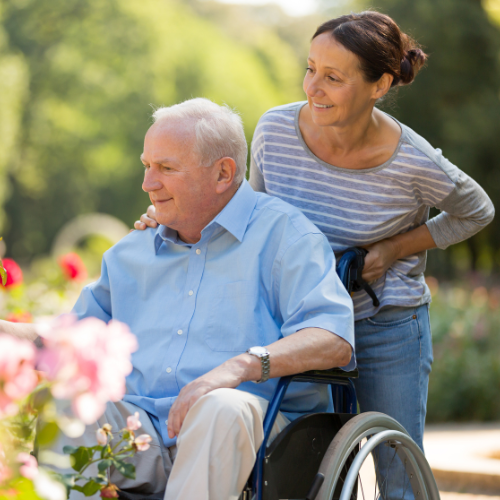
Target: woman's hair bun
(412, 61)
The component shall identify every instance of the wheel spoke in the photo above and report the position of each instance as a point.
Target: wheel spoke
(385, 482)
(361, 483)
(377, 472)
(406, 481)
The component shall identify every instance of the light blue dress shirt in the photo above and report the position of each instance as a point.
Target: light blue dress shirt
(261, 271)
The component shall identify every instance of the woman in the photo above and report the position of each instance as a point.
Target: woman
(367, 180)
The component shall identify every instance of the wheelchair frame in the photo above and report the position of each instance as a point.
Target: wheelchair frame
(378, 428)
(344, 399)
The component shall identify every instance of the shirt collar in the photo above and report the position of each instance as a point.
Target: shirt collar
(234, 218)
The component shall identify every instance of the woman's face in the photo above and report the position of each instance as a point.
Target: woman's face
(336, 90)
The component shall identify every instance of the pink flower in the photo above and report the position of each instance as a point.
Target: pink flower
(133, 422)
(29, 469)
(87, 361)
(141, 443)
(102, 437)
(14, 273)
(73, 267)
(17, 372)
(109, 491)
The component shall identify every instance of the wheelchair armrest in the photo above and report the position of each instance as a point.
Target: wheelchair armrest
(325, 376)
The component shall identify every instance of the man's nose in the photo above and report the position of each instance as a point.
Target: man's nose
(151, 182)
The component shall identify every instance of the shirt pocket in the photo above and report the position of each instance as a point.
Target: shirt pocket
(233, 322)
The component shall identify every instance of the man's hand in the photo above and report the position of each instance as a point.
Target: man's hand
(307, 349)
(147, 220)
(229, 375)
(25, 331)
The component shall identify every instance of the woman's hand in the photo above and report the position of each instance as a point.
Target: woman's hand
(147, 220)
(384, 253)
(380, 257)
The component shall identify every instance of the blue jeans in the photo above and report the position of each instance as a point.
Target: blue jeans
(394, 353)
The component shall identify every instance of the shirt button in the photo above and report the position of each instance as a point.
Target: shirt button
(166, 422)
(198, 251)
(179, 332)
(169, 369)
(190, 292)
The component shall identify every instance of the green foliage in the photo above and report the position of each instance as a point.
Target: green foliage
(20, 489)
(127, 470)
(455, 102)
(93, 67)
(47, 433)
(465, 378)
(79, 457)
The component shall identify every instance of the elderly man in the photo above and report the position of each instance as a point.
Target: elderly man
(234, 287)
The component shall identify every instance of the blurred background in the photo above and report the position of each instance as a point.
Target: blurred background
(78, 79)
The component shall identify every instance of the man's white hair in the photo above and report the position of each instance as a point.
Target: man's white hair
(218, 131)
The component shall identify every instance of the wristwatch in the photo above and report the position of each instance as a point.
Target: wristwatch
(263, 354)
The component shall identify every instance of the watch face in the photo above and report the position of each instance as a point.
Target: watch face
(259, 350)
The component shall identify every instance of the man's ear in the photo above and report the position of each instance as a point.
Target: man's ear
(226, 168)
(382, 86)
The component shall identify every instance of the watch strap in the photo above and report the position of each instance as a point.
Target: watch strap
(265, 364)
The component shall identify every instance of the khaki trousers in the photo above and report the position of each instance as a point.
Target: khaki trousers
(215, 453)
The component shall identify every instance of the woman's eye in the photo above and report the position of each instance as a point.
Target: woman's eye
(332, 78)
(308, 69)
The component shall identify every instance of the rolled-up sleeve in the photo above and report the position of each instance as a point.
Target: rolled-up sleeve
(311, 294)
(95, 299)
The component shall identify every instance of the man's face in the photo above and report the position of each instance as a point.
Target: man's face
(183, 192)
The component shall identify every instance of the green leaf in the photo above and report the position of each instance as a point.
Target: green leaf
(91, 488)
(41, 397)
(47, 433)
(100, 479)
(126, 435)
(77, 488)
(3, 274)
(127, 470)
(68, 479)
(80, 458)
(104, 464)
(69, 449)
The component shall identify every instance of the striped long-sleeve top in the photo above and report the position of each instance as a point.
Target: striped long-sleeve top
(359, 207)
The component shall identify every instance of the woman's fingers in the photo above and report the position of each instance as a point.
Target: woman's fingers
(145, 222)
(139, 225)
(151, 212)
(148, 221)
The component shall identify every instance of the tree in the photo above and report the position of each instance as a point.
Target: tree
(93, 69)
(454, 102)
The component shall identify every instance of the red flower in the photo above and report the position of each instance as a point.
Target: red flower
(14, 273)
(73, 267)
(109, 491)
(20, 317)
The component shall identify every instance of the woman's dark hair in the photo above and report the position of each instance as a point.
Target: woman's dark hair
(379, 44)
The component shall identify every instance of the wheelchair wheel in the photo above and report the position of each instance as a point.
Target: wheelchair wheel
(352, 468)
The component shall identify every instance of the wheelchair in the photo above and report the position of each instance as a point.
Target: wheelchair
(333, 456)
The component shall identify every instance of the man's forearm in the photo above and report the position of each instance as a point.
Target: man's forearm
(308, 349)
(20, 330)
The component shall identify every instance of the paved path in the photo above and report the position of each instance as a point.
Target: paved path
(465, 459)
